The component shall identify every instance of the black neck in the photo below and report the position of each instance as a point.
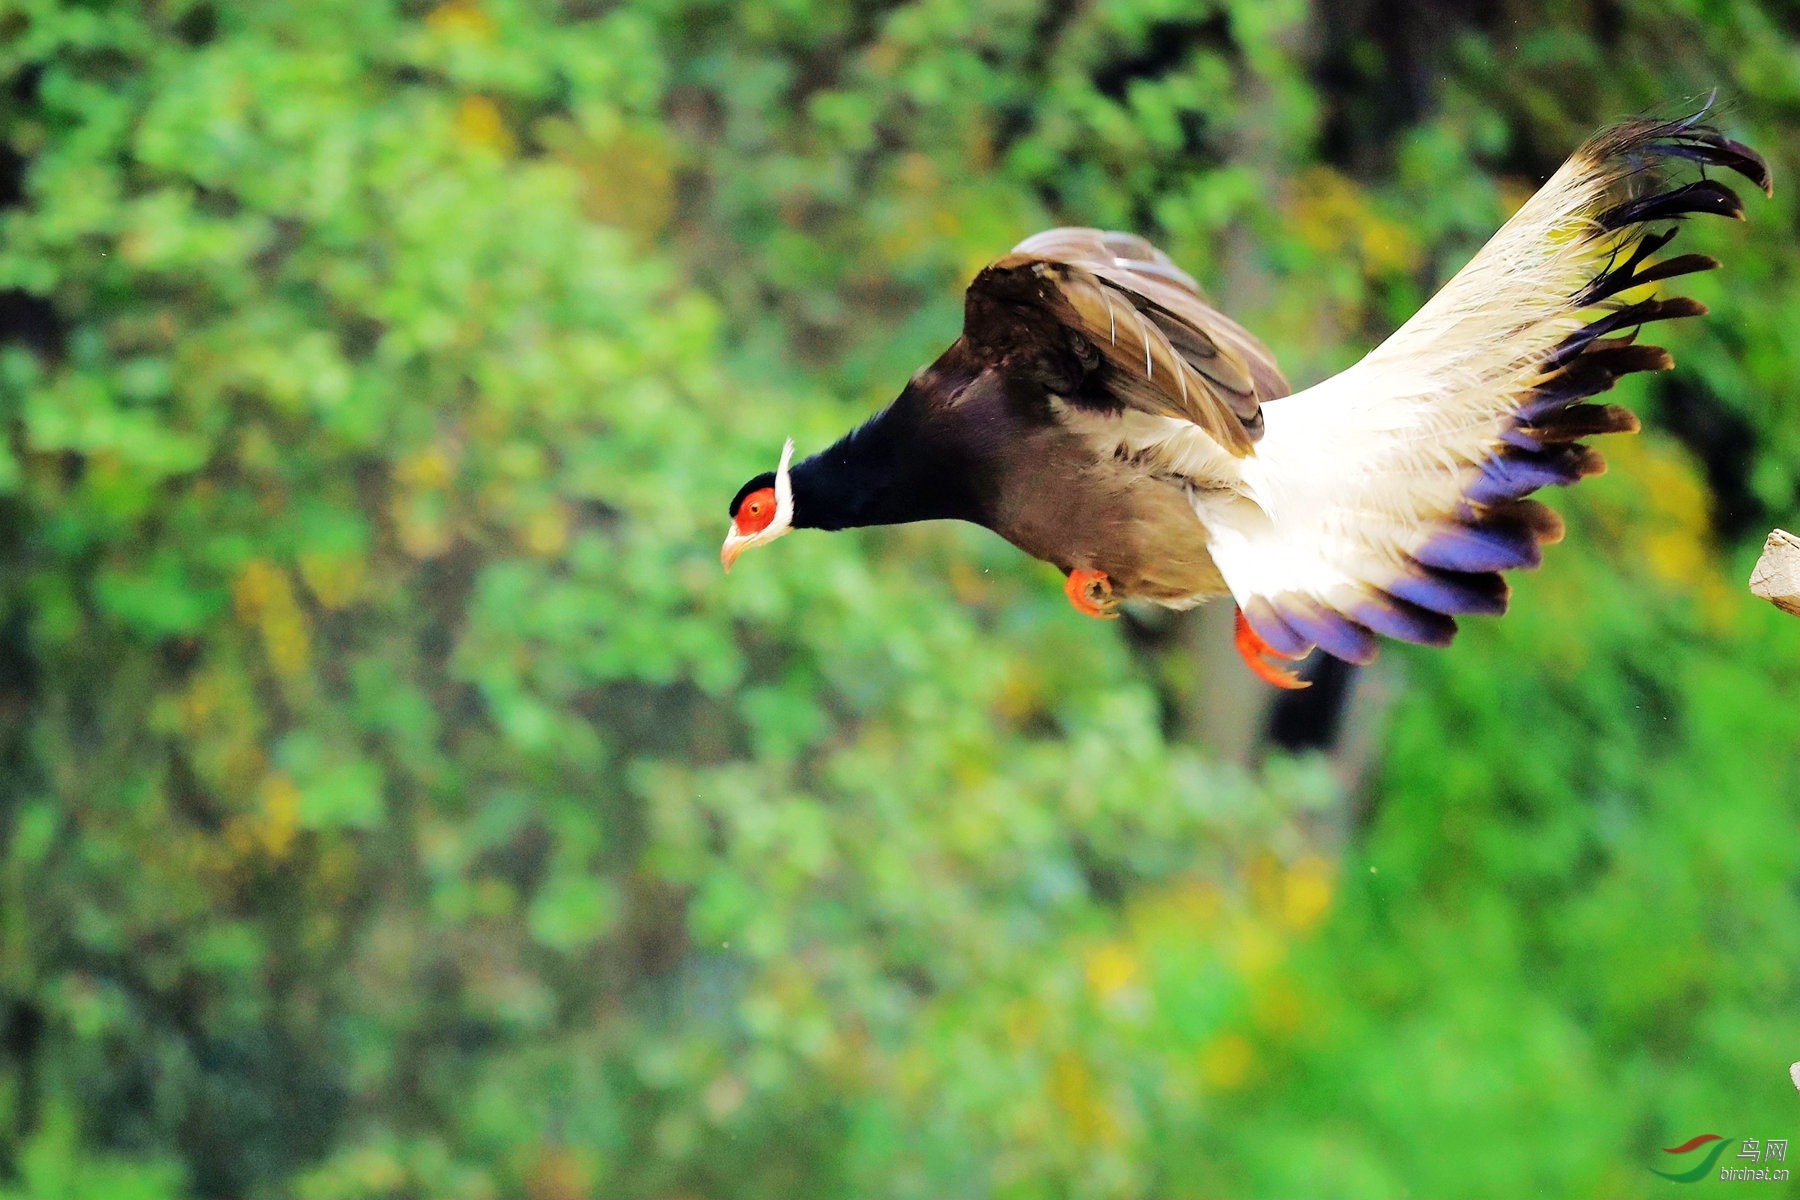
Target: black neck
(892, 469)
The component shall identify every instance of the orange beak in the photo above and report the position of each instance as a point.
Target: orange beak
(734, 546)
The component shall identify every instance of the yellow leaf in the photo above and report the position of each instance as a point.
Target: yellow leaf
(1225, 1062)
(1306, 893)
(1276, 1007)
(1332, 214)
(335, 579)
(432, 467)
(1255, 949)
(264, 598)
(419, 507)
(1073, 1090)
(547, 530)
(479, 123)
(461, 17)
(280, 815)
(1110, 969)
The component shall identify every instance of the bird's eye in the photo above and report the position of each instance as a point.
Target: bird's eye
(757, 510)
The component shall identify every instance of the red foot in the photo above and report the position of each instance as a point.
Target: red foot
(1257, 653)
(1091, 593)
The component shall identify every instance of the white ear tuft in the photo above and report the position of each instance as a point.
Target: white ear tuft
(784, 493)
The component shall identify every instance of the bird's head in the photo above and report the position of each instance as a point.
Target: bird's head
(762, 510)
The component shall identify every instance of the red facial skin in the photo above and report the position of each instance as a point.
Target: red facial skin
(755, 513)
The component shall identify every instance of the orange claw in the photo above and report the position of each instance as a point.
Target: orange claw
(1257, 653)
(1090, 592)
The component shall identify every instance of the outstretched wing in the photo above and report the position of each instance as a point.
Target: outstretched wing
(1138, 324)
(1388, 498)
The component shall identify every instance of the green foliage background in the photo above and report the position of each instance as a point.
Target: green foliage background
(396, 800)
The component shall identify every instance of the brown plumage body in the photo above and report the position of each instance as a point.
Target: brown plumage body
(1033, 386)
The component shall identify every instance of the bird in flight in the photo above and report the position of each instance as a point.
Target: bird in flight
(1099, 414)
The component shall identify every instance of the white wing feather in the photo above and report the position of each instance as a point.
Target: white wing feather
(1383, 498)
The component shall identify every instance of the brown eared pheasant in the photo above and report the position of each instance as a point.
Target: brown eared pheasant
(1099, 414)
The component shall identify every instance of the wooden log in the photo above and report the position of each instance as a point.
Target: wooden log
(1777, 574)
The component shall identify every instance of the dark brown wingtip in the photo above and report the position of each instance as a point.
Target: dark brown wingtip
(1704, 196)
(1534, 516)
(1580, 421)
(1707, 146)
(1714, 147)
(1748, 163)
(1673, 309)
(1642, 141)
(1690, 137)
